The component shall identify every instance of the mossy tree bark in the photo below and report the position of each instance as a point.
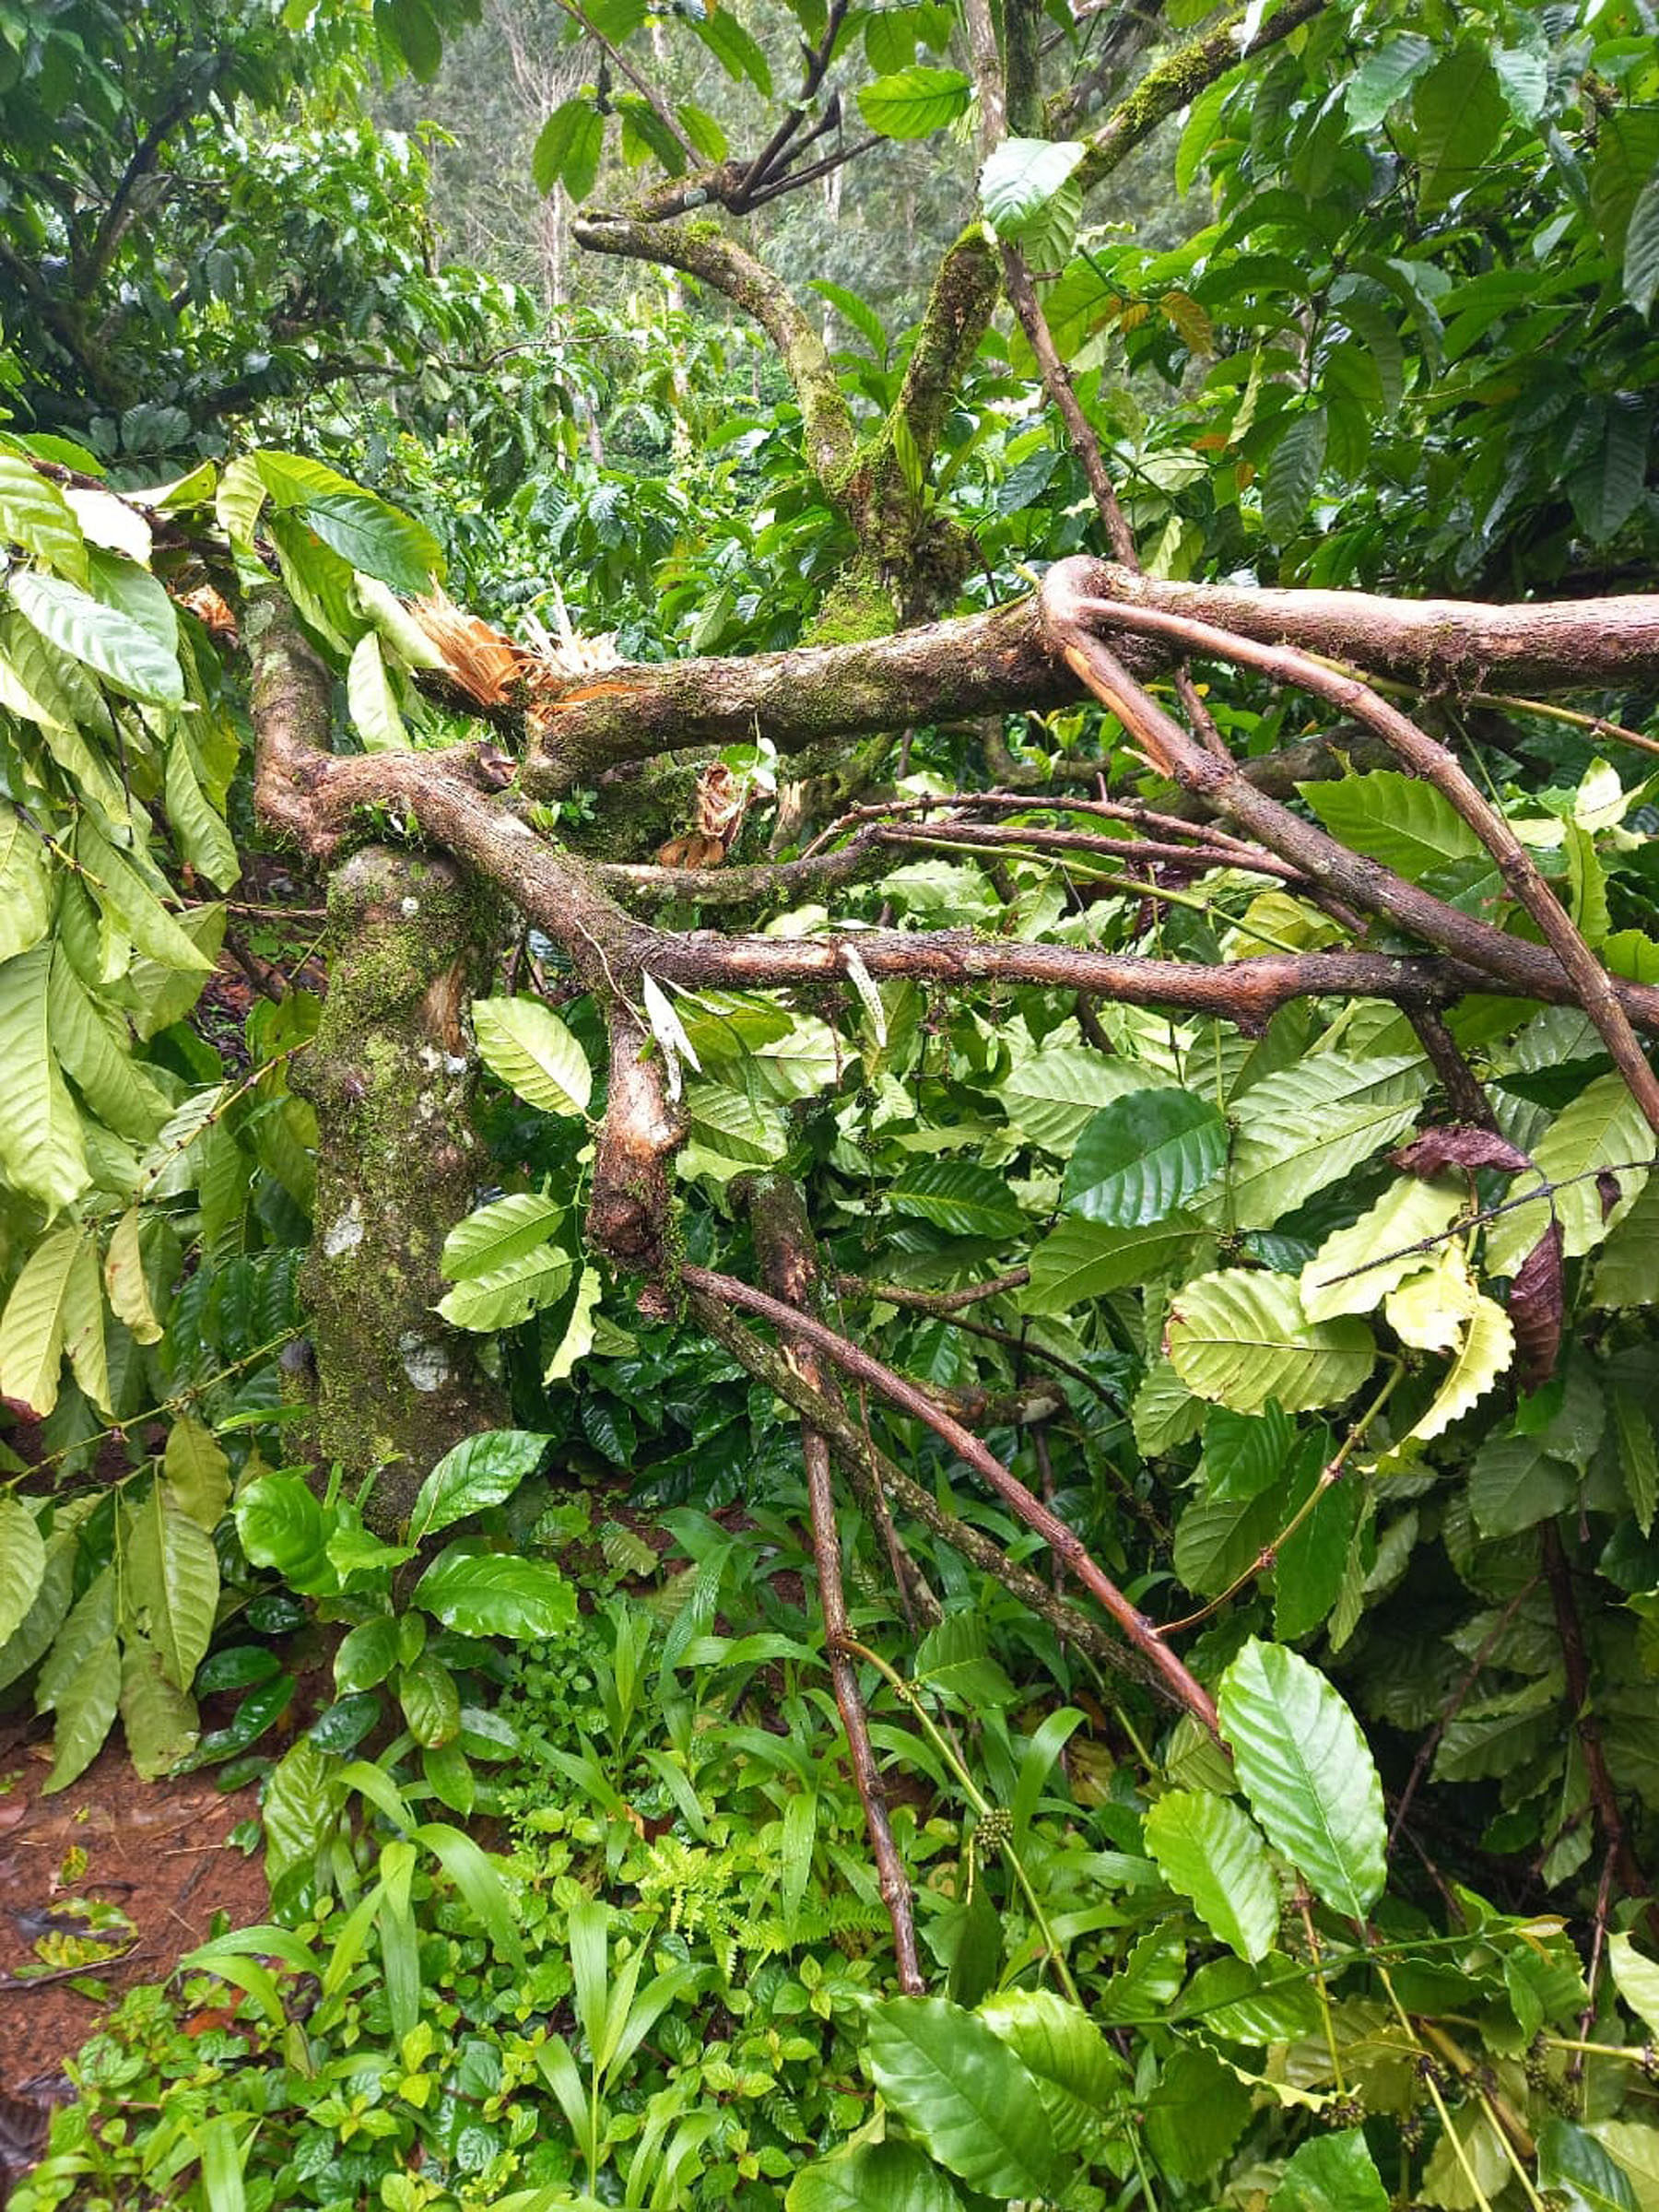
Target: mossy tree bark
(393, 1075)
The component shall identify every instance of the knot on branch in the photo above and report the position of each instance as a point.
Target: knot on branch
(629, 1215)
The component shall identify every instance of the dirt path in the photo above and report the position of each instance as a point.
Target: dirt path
(155, 1851)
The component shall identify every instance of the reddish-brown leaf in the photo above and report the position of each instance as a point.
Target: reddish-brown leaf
(1460, 1147)
(1537, 1307)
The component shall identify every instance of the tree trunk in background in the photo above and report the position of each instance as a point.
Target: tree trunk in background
(393, 1075)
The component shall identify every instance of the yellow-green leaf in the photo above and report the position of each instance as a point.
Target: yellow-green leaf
(33, 1325)
(124, 1281)
(40, 1148)
(1241, 1337)
(25, 886)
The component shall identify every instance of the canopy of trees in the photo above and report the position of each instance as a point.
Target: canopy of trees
(952, 893)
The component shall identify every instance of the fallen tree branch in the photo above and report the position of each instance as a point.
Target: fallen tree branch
(784, 1245)
(1004, 661)
(855, 1451)
(1176, 1680)
(1591, 985)
(1530, 970)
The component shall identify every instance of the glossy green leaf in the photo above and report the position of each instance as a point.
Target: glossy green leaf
(1079, 2077)
(1331, 2173)
(1209, 1851)
(959, 1197)
(872, 2177)
(430, 1701)
(1571, 2161)
(1309, 1778)
(172, 1585)
(496, 1593)
(914, 102)
(1241, 1337)
(366, 1656)
(530, 1049)
(35, 514)
(281, 1524)
(25, 884)
(1396, 818)
(1355, 1268)
(1292, 472)
(1311, 1124)
(160, 1719)
(41, 1152)
(1141, 1158)
(1603, 1129)
(373, 702)
(508, 1295)
(1080, 1260)
(101, 638)
(961, 2091)
(498, 1233)
(1457, 111)
(22, 1564)
(478, 1472)
(1642, 248)
(567, 148)
(1196, 2113)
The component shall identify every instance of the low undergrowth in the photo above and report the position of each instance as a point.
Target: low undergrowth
(652, 1969)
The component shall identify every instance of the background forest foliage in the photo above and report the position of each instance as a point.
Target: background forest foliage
(1329, 1334)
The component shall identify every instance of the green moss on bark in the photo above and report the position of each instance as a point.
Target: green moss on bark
(391, 1074)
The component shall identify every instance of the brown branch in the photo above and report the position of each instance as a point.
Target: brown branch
(1128, 851)
(628, 1212)
(931, 1301)
(1604, 1796)
(783, 1244)
(1174, 1676)
(1003, 661)
(1532, 970)
(748, 283)
(1463, 1087)
(856, 1450)
(1561, 644)
(1429, 760)
(817, 60)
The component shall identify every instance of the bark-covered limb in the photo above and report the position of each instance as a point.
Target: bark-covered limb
(391, 1076)
(855, 1449)
(1002, 661)
(1532, 970)
(957, 317)
(609, 949)
(629, 1214)
(779, 147)
(1462, 1085)
(1429, 760)
(758, 882)
(784, 1246)
(1604, 1797)
(1463, 644)
(1172, 1676)
(1177, 80)
(1135, 814)
(937, 672)
(931, 1301)
(707, 253)
(1128, 851)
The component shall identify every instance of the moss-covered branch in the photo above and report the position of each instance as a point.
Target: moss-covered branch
(1178, 81)
(703, 251)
